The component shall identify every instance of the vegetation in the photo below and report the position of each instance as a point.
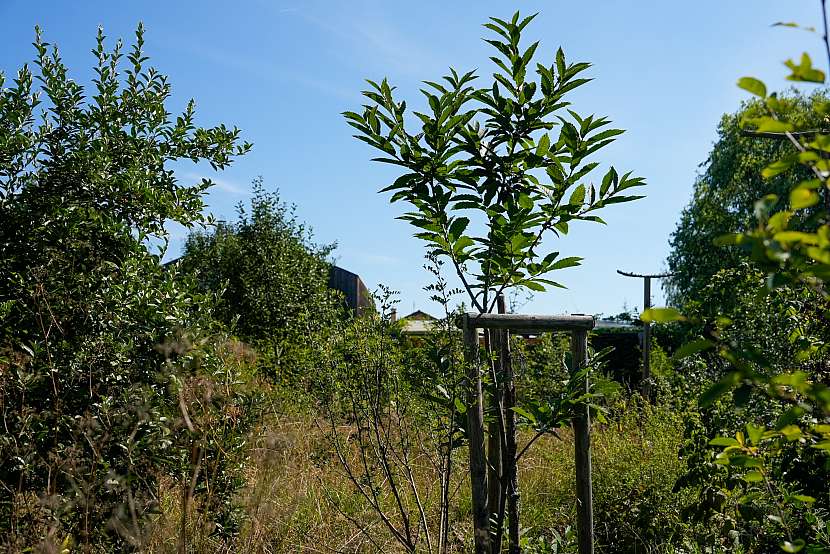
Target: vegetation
(102, 352)
(727, 189)
(227, 401)
(270, 280)
(769, 481)
(481, 151)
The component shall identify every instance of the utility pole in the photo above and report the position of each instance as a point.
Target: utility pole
(646, 344)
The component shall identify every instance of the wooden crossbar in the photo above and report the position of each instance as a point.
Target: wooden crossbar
(527, 323)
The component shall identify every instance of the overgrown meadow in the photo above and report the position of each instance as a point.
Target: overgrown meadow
(231, 401)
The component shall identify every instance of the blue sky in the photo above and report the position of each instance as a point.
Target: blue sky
(283, 71)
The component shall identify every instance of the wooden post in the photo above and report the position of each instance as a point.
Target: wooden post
(647, 339)
(578, 325)
(582, 452)
(510, 489)
(475, 424)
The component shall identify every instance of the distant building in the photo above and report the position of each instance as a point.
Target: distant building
(354, 291)
(417, 324)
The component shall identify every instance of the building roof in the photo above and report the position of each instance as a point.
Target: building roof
(356, 294)
(418, 323)
(421, 323)
(612, 324)
(419, 315)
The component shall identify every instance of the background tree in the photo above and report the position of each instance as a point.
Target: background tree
(92, 409)
(724, 194)
(271, 280)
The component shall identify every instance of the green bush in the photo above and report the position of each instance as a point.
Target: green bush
(93, 409)
(271, 280)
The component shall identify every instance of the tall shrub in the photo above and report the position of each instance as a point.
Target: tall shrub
(90, 408)
(271, 280)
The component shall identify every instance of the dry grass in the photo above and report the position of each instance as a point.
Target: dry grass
(298, 499)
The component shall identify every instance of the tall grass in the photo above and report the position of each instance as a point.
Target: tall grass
(297, 499)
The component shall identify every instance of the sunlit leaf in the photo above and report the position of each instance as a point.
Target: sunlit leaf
(753, 85)
(661, 315)
(692, 347)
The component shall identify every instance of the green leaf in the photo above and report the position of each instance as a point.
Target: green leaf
(525, 201)
(753, 85)
(754, 433)
(534, 286)
(804, 72)
(796, 546)
(793, 25)
(801, 498)
(789, 416)
(661, 315)
(457, 227)
(724, 441)
(801, 198)
(791, 432)
(768, 124)
(693, 347)
(779, 166)
(753, 477)
(732, 239)
(741, 460)
(717, 390)
(461, 244)
(525, 414)
(543, 146)
(577, 196)
(572, 261)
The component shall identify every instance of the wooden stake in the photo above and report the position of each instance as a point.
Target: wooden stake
(495, 431)
(582, 452)
(475, 424)
(647, 339)
(578, 326)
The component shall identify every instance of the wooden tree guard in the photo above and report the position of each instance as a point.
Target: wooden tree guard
(578, 326)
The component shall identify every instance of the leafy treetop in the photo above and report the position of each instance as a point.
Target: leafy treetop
(510, 156)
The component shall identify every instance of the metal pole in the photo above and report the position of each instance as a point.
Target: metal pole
(582, 452)
(475, 423)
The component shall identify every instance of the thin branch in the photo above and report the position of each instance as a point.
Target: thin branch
(535, 438)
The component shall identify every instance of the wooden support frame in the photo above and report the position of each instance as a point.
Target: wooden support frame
(578, 326)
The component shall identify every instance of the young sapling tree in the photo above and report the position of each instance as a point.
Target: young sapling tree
(488, 172)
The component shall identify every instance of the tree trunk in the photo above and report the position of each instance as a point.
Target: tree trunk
(510, 462)
(495, 432)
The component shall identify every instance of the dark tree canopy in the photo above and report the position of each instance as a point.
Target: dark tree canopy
(725, 193)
